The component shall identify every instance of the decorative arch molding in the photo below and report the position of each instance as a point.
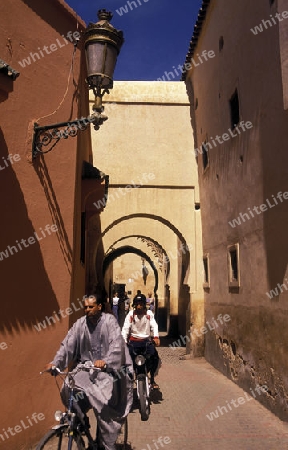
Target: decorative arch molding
(156, 248)
(166, 223)
(110, 257)
(138, 236)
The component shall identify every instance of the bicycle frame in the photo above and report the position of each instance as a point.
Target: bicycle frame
(74, 423)
(72, 416)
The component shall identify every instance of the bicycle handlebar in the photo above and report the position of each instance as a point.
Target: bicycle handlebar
(53, 368)
(88, 365)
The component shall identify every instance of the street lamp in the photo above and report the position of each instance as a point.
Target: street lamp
(102, 46)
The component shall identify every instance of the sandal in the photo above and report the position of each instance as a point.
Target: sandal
(154, 385)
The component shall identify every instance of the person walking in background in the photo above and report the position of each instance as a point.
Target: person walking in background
(150, 302)
(115, 302)
(139, 295)
(121, 309)
(127, 301)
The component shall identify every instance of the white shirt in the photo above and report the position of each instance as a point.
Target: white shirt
(115, 301)
(139, 326)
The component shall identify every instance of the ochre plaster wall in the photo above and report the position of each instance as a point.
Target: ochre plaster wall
(243, 172)
(146, 147)
(36, 280)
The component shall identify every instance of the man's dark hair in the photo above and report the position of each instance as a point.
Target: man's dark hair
(97, 298)
(100, 299)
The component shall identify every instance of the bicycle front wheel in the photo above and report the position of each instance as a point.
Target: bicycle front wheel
(58, 440)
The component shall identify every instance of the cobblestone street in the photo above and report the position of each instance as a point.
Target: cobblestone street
(192, 389)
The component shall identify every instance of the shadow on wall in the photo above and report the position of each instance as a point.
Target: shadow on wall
(6, 87)
(49, 12)
(99, 259)
(45, 180)
(94, 258)
(184, 303)
(275, 174)
(191, 96)
(24, 282)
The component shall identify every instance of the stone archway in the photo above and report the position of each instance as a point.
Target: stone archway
(112, 255)
(157, 241)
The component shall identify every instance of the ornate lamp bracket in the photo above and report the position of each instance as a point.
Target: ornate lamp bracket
(46, 137)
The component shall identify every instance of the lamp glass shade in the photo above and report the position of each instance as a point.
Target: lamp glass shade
(101, 60)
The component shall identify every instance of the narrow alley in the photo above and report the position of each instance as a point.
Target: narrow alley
(191, 390)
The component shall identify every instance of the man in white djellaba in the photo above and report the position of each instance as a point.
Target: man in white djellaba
(97, 337)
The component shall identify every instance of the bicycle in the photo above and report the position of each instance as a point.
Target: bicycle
(74, 423)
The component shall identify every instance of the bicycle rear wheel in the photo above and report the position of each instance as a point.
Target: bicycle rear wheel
(58, 440)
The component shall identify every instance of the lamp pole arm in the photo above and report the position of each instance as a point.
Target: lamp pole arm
(48, 136)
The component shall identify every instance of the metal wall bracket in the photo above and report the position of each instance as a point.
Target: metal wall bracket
(46, 137)
(7, 70)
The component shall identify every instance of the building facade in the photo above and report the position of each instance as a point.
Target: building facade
(42, 255)
(151, 228)
(236, 79)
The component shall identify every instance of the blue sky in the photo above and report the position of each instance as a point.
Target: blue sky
(157, 34)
